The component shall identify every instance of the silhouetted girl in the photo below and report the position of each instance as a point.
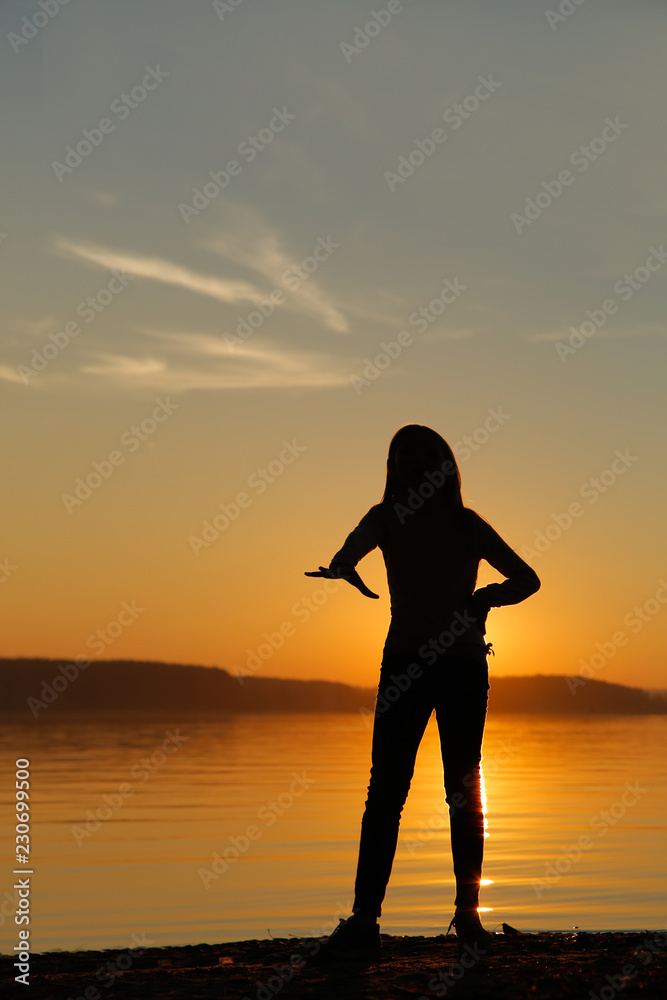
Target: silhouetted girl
(432, 545)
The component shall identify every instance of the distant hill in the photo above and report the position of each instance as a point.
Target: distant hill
(552, 694)
(33, 688)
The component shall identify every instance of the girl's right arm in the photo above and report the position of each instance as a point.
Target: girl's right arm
(363, 539)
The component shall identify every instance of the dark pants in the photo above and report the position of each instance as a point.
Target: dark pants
(457, 689)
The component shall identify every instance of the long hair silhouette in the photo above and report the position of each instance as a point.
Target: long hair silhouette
(451, 490)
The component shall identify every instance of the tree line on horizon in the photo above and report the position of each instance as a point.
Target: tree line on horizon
(39, 688)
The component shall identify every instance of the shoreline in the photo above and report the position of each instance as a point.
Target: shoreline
(542, 965)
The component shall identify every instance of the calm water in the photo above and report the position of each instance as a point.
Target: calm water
(291, 789)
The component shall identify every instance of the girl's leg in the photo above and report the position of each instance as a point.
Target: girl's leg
(461, 714)
(402, 712)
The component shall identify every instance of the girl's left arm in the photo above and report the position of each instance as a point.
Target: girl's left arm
(522, 581)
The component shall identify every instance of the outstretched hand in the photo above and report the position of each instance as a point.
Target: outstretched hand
(345, 572)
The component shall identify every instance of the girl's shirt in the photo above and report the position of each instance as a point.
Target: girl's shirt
(432, 557)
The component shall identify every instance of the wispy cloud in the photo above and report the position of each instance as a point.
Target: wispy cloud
(104, 198)
(247, 368)
(35, 327)
(637, 330)
(250, 241)
(10, 374)
(253, 245)
(546, 335)
(157, 269)
(124, 366)
(452, 333)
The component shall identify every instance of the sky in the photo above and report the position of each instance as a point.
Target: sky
(218, 216)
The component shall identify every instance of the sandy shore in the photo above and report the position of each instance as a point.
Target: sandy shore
(577, 965)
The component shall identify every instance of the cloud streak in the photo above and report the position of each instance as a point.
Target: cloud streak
(247, 368)
(10, 374)
(253, 245)
(256, 246)
(157, 269)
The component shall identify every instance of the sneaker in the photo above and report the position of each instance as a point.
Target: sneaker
(470, 931)
(353, 938)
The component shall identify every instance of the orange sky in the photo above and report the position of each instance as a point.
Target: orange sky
(165, 356)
